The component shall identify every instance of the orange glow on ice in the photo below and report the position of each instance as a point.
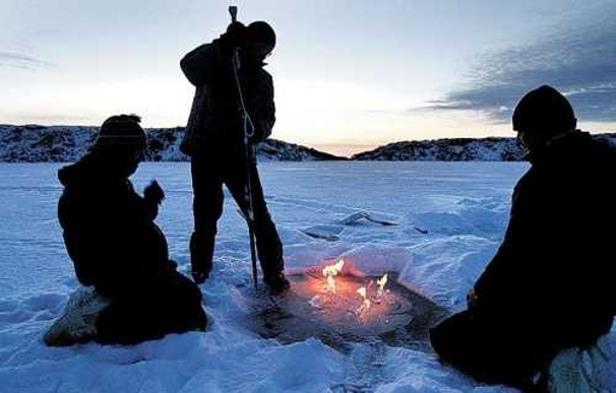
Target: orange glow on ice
(345, 296)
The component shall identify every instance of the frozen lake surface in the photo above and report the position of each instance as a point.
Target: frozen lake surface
(451, 217)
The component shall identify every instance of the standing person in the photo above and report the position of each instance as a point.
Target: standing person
(116, 247)
(215, 141)
(550, 285)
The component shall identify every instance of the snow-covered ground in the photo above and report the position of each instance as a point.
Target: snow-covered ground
(462, 206)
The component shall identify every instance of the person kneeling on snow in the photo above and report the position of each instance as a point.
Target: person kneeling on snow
(116, 247)
(550, 286)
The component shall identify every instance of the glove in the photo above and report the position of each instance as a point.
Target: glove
(153, 193)
(234, 37)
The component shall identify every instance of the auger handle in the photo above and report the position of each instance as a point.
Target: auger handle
(233, 13)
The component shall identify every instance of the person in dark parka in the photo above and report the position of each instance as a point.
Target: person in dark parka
(550, 285)
(215, 141)
(115, 245)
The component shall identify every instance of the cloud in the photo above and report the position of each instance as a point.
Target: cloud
(20, 60)
(579, 60)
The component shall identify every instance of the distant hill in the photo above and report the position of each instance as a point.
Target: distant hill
(34, 143)
(457, 149)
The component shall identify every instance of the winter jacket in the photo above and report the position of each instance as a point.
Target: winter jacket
(214, 116)
(554, 271)
(109, 230)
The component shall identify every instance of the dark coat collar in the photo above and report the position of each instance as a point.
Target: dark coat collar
(560, 147)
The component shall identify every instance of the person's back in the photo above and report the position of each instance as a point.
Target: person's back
(557, 245)
(99, 208)
(214, 124)
(548, 287)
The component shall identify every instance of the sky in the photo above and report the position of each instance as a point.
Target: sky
(349, 75)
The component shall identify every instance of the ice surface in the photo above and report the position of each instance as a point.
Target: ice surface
(461, 207)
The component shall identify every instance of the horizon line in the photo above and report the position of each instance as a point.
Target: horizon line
(340, 149)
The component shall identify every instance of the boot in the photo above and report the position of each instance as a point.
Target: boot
(199, 276)
(201, 253)
(277, 283)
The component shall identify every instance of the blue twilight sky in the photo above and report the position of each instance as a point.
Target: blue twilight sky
(349, 75)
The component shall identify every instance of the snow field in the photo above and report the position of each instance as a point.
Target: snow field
(463, 207)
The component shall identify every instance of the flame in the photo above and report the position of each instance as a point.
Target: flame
(336, 294)
(362, 292)
(381, 282)
(365, 305)
(330, 272)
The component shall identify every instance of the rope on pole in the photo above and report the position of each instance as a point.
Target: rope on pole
(248, 126)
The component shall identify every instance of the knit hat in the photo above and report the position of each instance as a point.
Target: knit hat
(544, 110)
(121, 130)
(262, 32)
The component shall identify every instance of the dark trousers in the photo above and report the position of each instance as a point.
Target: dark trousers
(493, 349)
(172, 304)
(210, 170)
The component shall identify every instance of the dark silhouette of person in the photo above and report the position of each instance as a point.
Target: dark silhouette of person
(550, 285)
(115, 246)
(215, 141)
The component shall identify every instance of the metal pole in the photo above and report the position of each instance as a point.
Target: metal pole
(249, 152)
